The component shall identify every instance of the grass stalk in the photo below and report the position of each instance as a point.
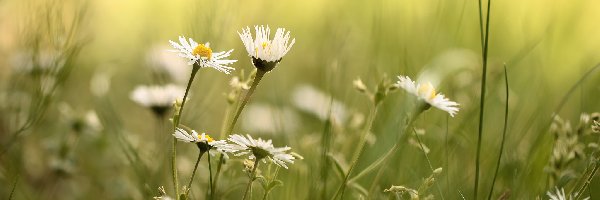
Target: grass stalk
(503, 136)
(485, 42)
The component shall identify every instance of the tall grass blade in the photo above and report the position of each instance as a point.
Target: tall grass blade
(503, 135)
(485, 46)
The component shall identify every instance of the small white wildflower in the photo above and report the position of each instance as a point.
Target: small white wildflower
(202, 54)
(205, 142)
(427, 93)
(157, 97)
(260, 149)
(266, 53)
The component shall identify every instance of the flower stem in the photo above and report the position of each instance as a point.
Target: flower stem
(252, 176)
(358, 152)
(271, 181)
(210, 179)
(189, 187)
(259, 75)
(176, 118)
(257, 78)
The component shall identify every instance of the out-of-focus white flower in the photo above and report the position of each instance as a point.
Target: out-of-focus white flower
(157, 97)
(167, 63)
(318, 103)
(560, 195)
(100, 84)
(260, 149)
(202, 54)
(266, 53)
(262, 118)
(205, 142)
(426, 92)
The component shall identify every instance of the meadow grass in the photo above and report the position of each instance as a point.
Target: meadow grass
(70, 127)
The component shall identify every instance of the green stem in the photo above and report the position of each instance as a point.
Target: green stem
(259, 75)
(482, 100)
(428, 161)
(195, 69)
(271, 181)
(210, 179)
(189, 187)
(252, 175)
(390, 152)
(358, 152)
(503, 136)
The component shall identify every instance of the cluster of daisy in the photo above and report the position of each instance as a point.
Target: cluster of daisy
(257, 149)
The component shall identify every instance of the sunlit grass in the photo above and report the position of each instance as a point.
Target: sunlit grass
(69, 128)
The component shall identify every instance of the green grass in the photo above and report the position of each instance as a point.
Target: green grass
(551, 55)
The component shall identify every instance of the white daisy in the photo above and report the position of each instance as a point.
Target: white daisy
(560, 195)
(266, 53)
(260, 149)
(427, 93)
(202, 54)
(157, 97)
(205, 142)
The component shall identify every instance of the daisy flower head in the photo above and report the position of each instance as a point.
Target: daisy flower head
(204, 142)
(202, 55)
(266, 53)
(560, 195)
(259, 149)
(426, 92)
(159, 98)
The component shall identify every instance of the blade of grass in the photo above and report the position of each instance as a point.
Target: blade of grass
(14, 186)
(485, 45)
(503, 135)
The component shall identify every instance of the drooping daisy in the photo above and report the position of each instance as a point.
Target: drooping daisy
(560, 195)
(426, 92)
(159, 98)
(266, 53)
(205, 142)
(202, 55)
(259, 149)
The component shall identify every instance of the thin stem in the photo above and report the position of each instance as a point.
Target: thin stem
(210, 179)
(252, 175)
(221, 159)
(189, 186)
(482, 102)
(390, 152)
(358, 152)
(271, 181)
(257, 77)
(503, 136)
(428, 161)
(195, 69)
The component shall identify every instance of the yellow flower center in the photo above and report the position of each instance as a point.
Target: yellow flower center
(209, 139)
(264, 45)
(202, 51)
(426, 91)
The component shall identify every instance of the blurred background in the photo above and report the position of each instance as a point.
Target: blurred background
(69, 128)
